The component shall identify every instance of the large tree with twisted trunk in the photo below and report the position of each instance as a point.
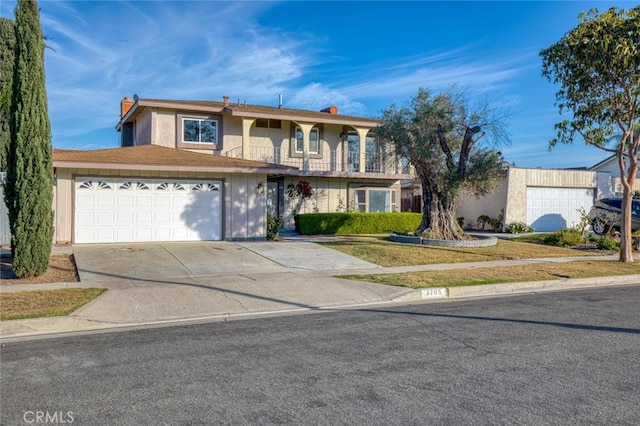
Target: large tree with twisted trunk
(597, 65)
(453, 148)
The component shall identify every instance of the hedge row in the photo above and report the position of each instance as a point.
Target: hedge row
(356, 223)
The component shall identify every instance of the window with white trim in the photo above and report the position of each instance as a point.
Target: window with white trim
(197, 130)
(375, 200)
(314, 141)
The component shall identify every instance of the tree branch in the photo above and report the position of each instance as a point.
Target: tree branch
(467, 144)
(445, 146)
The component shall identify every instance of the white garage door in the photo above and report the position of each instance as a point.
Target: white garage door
(137, 210)
(551, 209)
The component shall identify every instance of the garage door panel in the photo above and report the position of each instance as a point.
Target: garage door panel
(163, 201)
(104, 201)
(143, 201)
(121, 210)
(104, 234)
(123, 218)
(143, 234)
(84, 218)
(124, 201)
(123, 234)
(551, 209)
(143, 218)
(84, 201)
(106, 218)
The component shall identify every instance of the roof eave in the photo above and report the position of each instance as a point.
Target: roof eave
(169, 167)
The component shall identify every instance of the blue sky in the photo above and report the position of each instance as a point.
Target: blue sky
(361, 56)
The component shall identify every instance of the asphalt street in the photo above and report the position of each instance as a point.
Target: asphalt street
(552, 358)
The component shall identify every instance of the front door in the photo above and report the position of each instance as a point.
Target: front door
(275, 197)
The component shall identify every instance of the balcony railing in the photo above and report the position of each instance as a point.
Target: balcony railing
(328, 161)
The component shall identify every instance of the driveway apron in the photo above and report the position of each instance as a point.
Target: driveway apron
(159, 261)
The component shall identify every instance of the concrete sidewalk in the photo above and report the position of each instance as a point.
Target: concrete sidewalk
(177, 284)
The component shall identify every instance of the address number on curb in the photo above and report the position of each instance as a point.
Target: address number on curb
(434, 293)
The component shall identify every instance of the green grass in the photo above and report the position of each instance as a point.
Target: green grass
(496, 275)
(383, 252)
(44, 303)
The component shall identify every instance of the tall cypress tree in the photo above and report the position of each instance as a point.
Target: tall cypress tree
(7, 60)
(29, 185)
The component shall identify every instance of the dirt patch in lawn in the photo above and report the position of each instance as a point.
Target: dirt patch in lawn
(62, 268)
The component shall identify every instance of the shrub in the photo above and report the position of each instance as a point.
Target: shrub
(565, 237)
(357, 223)
(483, 221)
(273, 227)
(518, 228)
(608, 243)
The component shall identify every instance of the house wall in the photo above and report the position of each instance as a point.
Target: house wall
(492, 205)
(143, 126)
(164, 128)
(611, 166)
(160, 126)
(330, 195)
(243, 211)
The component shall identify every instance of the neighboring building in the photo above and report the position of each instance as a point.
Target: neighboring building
(610, 165)
(545, 199)
(206, 170)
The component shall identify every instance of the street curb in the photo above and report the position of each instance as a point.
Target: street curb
(43, 327)
(516, 288)
(50, 286)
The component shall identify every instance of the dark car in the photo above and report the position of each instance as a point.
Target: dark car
(606, 214)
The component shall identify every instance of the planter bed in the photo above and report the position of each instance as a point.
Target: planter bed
(477, 241)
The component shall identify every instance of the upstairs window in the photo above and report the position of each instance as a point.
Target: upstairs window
(269, 123)
(314, 139)
(197, 130)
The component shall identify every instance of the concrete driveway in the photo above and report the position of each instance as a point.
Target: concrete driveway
(151, 261)
(151, 283)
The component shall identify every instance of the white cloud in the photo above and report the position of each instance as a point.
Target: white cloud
(316, 96)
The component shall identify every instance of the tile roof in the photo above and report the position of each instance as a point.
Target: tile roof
(154, 155)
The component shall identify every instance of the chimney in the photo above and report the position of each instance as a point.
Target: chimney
(280, 101)
(225, 100)
(330, 110)
(125, 106)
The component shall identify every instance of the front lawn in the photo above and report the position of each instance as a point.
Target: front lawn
(44, 303)
(383, 252)
(504, 274)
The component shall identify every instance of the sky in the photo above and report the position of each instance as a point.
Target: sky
(361, 56)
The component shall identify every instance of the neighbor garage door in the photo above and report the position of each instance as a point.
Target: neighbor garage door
(138, 210)
(551, 209)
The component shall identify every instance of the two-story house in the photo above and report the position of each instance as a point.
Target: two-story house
(211, 170)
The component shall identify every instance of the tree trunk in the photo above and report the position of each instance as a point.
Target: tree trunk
(628, 183)
(626, 252)
(438, 215)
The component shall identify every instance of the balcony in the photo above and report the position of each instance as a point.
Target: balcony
(336, 161)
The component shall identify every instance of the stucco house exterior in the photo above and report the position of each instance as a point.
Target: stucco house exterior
(212, 170)
(610, 165)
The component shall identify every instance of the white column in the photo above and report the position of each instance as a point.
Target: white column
(246, 137)
(362, 137)
(306, 132)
